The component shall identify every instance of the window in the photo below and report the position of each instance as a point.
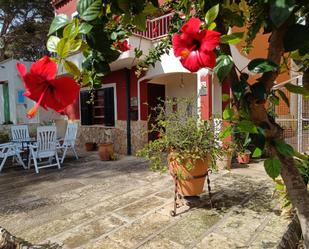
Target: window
(102, 110)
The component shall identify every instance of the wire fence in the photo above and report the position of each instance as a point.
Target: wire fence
(294, 119)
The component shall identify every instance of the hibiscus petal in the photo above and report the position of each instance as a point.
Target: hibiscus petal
(178, 44)
(22, 70)
(45, 67)
(192, 26)
(207, 59)
(65, 91)
(34, 86)
(192, 62)
(210, 40)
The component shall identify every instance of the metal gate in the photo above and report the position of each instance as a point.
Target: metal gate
(294, 119)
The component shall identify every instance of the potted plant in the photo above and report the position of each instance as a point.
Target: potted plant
(243, 153)
(186, 146)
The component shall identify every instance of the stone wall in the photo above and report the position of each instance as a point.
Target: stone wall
(117, 135)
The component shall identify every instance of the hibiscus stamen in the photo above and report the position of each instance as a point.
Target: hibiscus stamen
(33, 111)
(184, 53)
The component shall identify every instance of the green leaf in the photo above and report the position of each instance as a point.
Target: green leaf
(63, 48)
(58, 22)
(149, 9)
(280, 11)
(140, 21)
(85, 28)
(225, 97)
(89, 10)
(284, 97)
(212, 26)
(224, 65)
(228, 113)
(114, 36)
(71, 68)
(296, 89)
(247, 126)
(272, 166)
(70, 31)
(257, 152)
(261, 65)
(284, 148)
(226, 132)
(232, 39)
(212, 14)
(52, 43)
(75, 45)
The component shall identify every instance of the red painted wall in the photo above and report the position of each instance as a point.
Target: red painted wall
(206, 101)
(143, 100)
(118, 77)
(225, 90)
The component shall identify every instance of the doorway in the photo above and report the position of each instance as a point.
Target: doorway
(156, 93)
(6, 102)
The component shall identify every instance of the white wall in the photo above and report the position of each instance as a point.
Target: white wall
(8, 73)
(179, 85)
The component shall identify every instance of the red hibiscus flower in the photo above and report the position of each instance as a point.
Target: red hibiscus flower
(123, 46)
(195, 46)
(43, 87)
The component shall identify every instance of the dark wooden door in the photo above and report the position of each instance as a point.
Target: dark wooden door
(156, 94)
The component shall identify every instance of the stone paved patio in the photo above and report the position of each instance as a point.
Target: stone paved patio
(121, 204)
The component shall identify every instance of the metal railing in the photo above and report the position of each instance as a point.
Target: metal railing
(156, 28)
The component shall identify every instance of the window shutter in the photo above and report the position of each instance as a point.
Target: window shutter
(85, 109)
(109, 110)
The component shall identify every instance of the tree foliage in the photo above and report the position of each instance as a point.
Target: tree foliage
(23, 28)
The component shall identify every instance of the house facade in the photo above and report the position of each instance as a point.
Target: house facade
(123, 103)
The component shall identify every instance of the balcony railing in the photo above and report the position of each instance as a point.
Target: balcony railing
(156, 28)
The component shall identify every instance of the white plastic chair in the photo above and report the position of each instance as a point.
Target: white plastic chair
(45, 148)
(20, 133)
(69, 140)
(10, 150)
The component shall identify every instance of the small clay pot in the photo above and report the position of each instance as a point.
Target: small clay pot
(243, 158)
(106, 151)
(89, 146)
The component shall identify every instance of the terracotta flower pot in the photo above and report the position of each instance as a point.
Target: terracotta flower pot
(243, 158)
(89, 146)
(186, 185)
(106, 151)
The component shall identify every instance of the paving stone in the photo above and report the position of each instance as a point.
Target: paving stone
(161, 243)
(139, 208)
(218, 241)
(265, 240)
(240, 226)
(138, 231)
(84, 233)
(105, 243)
(122, 204)
(191, 227)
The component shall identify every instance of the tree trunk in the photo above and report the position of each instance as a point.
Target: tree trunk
(9, 241)
(298, 194)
